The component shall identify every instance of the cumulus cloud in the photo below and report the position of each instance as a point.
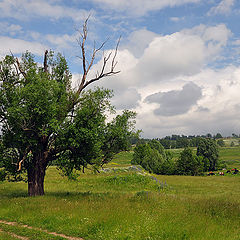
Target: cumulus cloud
(162, 62)
(138, 41)
(176, 102)
(141, 7)
(127, 99)
(215, 110)
(214, 37)
(171, 55)
(224, 7)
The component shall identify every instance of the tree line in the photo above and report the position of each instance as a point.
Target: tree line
(183, 141)
(154, 158)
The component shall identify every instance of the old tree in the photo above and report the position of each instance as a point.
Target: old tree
(44, 120)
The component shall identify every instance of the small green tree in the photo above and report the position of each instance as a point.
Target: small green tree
(152, 160)
(155, 144)
(152, 157)
(208, 149)
(220, 143)
(218, 135)
(189, 164)
(168, 166)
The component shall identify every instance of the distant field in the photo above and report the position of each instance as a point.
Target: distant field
(230, 155)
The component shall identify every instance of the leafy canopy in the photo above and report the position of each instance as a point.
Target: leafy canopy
(41, 115)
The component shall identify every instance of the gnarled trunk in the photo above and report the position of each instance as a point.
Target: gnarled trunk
(36, 175)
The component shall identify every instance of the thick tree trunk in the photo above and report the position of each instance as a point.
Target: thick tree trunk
(36, 174)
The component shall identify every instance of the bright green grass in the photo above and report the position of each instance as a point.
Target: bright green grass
(122, 159)
(128, 206)
(25, 232)
(231, 155)
(6, 236)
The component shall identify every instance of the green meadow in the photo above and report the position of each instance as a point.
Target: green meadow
(125, 204)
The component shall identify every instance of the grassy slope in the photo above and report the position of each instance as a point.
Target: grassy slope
(127, 206)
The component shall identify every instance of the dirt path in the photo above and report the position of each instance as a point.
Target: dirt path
(14, 235)
(38, 229)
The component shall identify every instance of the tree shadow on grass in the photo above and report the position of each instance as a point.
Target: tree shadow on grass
(20, 193)
(86, 194)
(16, 193)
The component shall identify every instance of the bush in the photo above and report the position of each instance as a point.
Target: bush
(208, 149)
(189, 164)
(153, 158)
(220, 143)
(3, 174)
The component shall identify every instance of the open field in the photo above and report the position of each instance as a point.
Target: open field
(124, 205)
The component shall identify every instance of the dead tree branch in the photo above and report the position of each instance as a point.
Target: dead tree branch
(45, 66)
(87, 65)
(20, 68)
(23, 159)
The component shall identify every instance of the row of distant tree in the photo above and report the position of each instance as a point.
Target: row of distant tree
(154, 158)
(182, 141)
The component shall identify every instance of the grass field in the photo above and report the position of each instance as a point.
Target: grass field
(125, 206)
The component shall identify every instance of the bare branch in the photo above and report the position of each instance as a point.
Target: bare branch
(45, 66)
(23, 159)
(115, 54)
(109, 60)
(20, 68)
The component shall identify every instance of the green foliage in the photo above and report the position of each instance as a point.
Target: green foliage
(45, 120)
(3, 174)
(220, 143)
(152, 160)
(168, 166)
(189, 164)
(152, 157)
(207, 148)
(218, 135)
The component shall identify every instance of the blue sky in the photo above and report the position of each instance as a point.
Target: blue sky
(179, 59)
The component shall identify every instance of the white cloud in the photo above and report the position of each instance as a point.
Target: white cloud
(127, 99)
(214, 37)
(224, 7)
(61, 41)
(138, 41)
(18, 46)
(177, 19)
(170, 56)
(11, 29)
(25, 9)
(141, 7)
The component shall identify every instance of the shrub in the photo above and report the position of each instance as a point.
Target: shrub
(207, 148)
(189, 164)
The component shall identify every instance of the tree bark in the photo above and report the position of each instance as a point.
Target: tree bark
(36, 175)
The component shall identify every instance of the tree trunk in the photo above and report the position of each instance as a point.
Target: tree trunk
(36, 174)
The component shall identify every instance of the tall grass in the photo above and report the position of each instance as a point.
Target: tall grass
(128, 206)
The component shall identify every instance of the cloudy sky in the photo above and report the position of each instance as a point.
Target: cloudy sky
(179, 59)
